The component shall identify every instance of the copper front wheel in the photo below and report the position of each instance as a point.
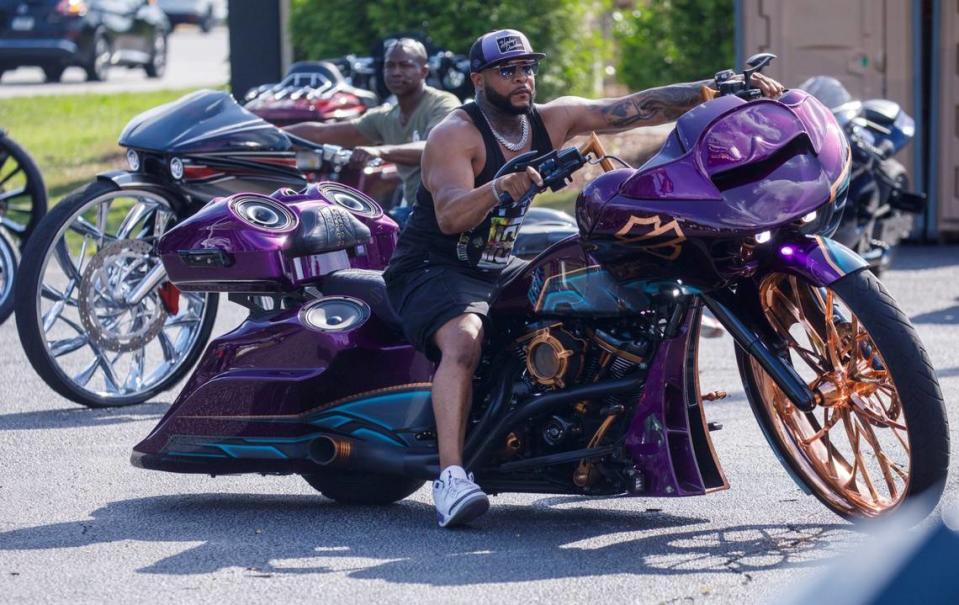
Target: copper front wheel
(877, 436)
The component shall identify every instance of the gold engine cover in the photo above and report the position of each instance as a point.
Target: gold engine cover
(553, 356)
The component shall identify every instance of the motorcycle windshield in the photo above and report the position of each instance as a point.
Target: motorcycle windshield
(203, 121)
(828, 90)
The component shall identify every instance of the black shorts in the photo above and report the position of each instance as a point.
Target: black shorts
(427, 295)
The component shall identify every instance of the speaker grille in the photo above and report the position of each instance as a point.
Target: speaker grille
(264, 213)
(335, 314)
(352, 200)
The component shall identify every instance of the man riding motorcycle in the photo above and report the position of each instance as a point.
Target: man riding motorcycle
(396, 133)
(452, 253)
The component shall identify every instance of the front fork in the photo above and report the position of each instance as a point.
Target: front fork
(818, 260)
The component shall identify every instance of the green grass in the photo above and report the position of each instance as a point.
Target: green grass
(73, 137)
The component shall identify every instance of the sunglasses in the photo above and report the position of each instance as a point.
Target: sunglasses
(508, 72)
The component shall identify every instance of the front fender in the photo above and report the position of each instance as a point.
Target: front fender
(123, 179)
(819, 260)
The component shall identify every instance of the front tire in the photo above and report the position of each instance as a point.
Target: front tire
(878, 437)
(53, 74)
(362, 488)
(23, 196)
(80, 333)
(99, 64)
(157, 65)
(8, 271)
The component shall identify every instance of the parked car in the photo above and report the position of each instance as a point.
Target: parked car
(92, 34)
(203, 13)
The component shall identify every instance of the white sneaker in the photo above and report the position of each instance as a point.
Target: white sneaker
(457, 498)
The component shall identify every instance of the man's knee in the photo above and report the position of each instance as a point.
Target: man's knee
(460, 340)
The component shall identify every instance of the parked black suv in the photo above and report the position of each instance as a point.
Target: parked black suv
(94, 34)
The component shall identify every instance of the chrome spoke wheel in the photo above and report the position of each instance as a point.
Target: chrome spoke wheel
(109, 326)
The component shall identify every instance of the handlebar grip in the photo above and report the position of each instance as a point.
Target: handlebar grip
(507, 200)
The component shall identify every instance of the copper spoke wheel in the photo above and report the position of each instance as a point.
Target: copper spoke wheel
(858, 450)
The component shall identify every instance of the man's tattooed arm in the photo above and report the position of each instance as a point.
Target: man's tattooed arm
(653, 106)
(567, 117)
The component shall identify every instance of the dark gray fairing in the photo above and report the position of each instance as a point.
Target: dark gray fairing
(203, 121)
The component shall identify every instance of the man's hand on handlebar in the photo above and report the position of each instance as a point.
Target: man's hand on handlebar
(769, 87)
(364, 155)
(518, 183)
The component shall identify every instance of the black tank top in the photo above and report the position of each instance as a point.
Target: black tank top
(487, 246)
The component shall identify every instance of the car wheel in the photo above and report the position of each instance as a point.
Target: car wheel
(53, 74)
(206, 24)
(157, 65)
(100, 61)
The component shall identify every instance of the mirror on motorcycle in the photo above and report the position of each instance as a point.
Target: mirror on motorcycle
(756, 63)
(760, 60)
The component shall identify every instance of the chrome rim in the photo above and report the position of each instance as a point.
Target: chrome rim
(18, 195)
(102, 341)
(853, 448)
(7, 269)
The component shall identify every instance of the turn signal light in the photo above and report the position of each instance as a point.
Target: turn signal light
(73, 8)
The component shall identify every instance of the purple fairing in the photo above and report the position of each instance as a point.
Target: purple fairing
(273, 377)
(255, 259)
(729, 168)
(668, 437)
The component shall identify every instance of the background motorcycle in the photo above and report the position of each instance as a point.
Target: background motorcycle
(311, 91)
(588, 383)
(98, 320)
(880, 209)
(23, 202)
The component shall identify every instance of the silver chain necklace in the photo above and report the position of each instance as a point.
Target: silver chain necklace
(502, 140)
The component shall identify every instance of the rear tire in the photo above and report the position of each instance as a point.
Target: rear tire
(362, 488)
(885, 352)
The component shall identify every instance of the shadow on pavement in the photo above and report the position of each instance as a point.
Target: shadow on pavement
(948, 372)
(942, 316)
(81, 417)
(909, 257)
(278, 535)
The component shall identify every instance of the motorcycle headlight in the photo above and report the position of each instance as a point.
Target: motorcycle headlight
(264, 213)
(133, 160)
(176, 168)
(763, 236)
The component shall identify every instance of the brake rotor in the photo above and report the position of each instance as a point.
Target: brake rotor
(111, 322)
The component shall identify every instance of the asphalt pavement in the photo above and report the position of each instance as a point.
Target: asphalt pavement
(195, 60)
(79, 524)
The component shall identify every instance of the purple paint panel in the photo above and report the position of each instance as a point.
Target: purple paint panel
(245, 242)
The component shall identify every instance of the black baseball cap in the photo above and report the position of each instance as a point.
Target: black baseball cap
(499, 46)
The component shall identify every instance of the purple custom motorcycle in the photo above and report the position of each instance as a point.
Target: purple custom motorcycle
(589, 381)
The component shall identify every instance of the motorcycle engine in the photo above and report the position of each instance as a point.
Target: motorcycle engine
(558, 356)
(553, 355)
